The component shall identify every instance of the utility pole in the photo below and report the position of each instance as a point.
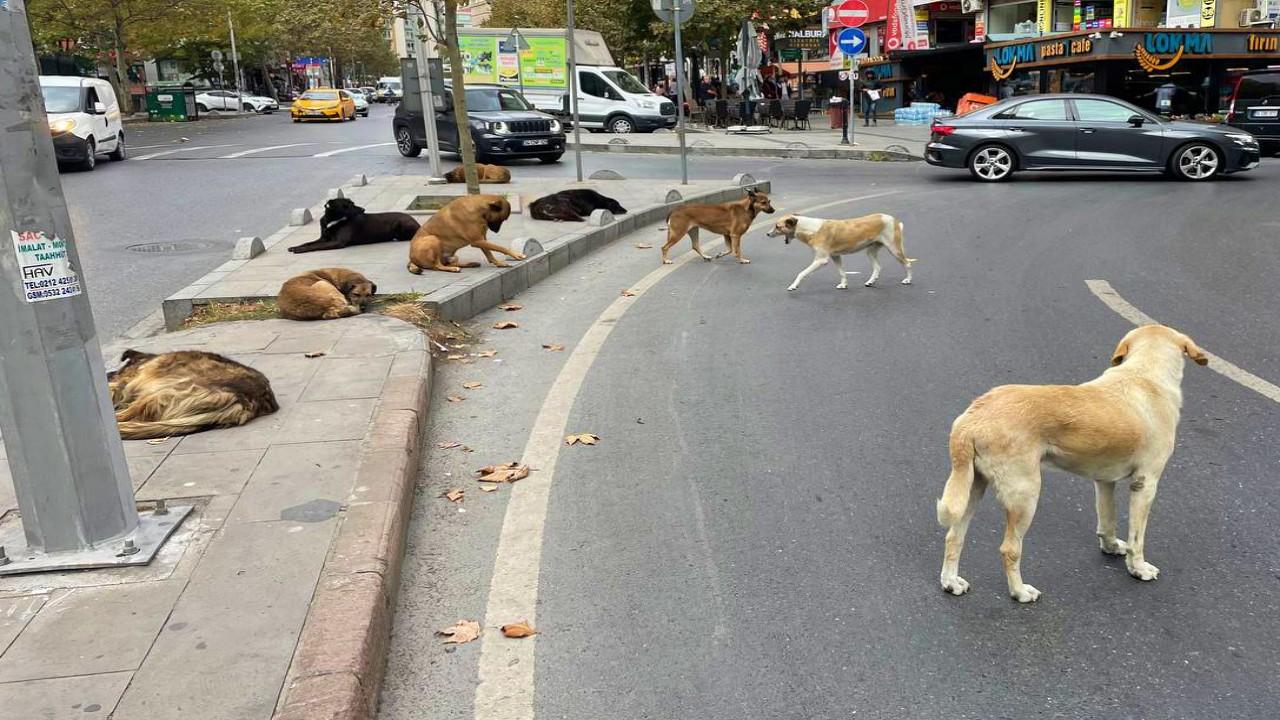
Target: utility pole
(56, 418)
(684, 155)
(573, 89)
(426, 97)
(235, 64)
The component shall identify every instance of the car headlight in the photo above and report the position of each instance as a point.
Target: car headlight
(58, 127)
(556, 126)
(499, 128)
(1242, 139)
(648, 105)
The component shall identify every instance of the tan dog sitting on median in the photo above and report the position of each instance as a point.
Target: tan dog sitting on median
(460, 223)
(830, 239)
(489, 174)
(325, 294)
(1119, 426)
(731, 219)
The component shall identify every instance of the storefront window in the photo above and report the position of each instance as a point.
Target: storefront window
(1012, 18)
(1070, 81)
(1024, 82)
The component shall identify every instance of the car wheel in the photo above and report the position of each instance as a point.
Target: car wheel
(991, 163)
(1197, 161)
(364, 114)
(201, 107)
(249, 108)
(91, 156)
(120, 153)
(621, 124)
(548, 159)
(405, 143)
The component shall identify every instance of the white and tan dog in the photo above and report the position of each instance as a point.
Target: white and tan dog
(832, 238)
(1119, 426)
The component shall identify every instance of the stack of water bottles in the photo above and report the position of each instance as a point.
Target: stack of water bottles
(920, 113)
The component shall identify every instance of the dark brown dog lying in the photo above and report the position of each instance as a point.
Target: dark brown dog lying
(729, 219)
(345, 223)
(325, 294)
(460, 223)
(495, 174)
(573, 205)
(184, 392)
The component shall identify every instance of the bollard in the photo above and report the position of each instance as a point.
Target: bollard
(299, 217)
(248, 248)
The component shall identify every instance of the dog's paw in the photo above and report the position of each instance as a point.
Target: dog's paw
(517, 256)
(1144, 571)
(843, 286)
(906, 281)
(666, 261)
(869, 283)
(414, 269)
(1025, 594)
(743, 261)
(955, 585)
(1114, 547)
(792, 288)
(499, 263)
(708, 258)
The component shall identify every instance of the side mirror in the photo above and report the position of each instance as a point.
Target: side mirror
(99, 108)
(1137, 121)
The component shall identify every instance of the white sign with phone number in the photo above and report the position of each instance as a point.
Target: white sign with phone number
(46, 269)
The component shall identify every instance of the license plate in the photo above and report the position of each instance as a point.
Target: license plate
(1266, 113)
(533, 143)
(315, 112)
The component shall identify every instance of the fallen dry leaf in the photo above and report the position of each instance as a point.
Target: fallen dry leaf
(505, 473)
(314, 354)
(455, 398)
(583, 438)
(454, 495)
(520, 629)
(489, 488)
(472, 385)
(553, 347)
(467, 449)
(628, 293)
(448, 445)
(463, 631)
(643, 246)
(455, 356)
(486, 353)
(511, 307)
(506, 325)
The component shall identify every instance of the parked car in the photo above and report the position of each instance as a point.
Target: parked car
(501, 122)
(84, 119)
(361, 102)
(1255, 107)
(613, 100)
(390, 89)
(229, 100)
(1085, 132)
(323, 104)
(370, 93)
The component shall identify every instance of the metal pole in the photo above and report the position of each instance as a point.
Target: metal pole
(573, 90)
(684, 157)
(59, 429)
(519, 61)
(235, 64)
(427, 98)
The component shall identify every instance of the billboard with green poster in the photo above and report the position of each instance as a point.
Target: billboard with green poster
(545, 63)
(479, 58)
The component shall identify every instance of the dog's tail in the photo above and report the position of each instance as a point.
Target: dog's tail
(955, 496)
(897, 237)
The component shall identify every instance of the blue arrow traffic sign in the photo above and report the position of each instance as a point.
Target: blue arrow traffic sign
(851, 41)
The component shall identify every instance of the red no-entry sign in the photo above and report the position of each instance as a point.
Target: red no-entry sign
(851, 13)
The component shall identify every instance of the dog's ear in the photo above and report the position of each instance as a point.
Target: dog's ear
(791, 221)
(496, 206)
(1193, 351)
(1122, 350)
(373, 288)
(130, 354)
(751, 192)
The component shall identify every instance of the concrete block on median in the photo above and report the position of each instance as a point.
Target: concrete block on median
(673, 195)
(360, 180)
(336, 194)
(744, 179)
(528, 246)
(600, 217)
(300, 216)
(248, 248)
(605, 174)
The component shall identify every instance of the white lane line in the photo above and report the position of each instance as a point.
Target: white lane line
(331, 153)
(506, 669)
(255, 151)
(1108, 295)
(181, 149)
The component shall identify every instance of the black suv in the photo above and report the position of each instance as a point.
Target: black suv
(503, 125)
(1255, 107)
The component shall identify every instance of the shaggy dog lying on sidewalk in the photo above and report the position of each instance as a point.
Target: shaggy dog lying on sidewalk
(573, 205)
(345, 223)
(180, 393)
(490, 174)
(325, 294)
(460, 223)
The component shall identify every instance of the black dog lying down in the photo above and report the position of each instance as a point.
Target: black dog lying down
(345, 223)
(573, 205)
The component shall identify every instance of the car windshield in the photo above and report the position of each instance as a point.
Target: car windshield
(626, 81)
(487, 100)
(61, 99)
(314, 95)
(389, 85)
(1263, 87)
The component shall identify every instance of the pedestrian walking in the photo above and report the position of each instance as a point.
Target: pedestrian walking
(870, 96)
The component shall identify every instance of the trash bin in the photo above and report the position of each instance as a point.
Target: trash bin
(171, 104)
(835, 110)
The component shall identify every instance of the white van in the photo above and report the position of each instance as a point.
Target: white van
(390, 90)
(612, 99)
(84, 119)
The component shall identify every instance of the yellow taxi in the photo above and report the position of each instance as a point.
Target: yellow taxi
(324, 104)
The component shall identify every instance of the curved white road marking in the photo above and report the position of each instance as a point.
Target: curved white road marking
(331, 153)
(255, 151)
(1108, 295)
(506, 671)
(152, 156)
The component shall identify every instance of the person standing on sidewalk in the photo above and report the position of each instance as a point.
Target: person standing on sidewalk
(869, 93)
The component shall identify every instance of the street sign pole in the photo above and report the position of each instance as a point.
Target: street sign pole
(57, 420)
(235, 64)
(427, 99)
(573, 88)
(684, 155)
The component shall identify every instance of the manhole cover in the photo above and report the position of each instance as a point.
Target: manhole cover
(171, 248)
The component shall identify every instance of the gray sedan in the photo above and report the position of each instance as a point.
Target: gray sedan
(1085, 132)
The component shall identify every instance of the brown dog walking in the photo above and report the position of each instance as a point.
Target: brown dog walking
(729, 219)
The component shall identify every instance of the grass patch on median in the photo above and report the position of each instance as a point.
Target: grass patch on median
(231, 312)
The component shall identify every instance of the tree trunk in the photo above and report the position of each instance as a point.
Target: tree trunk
(121, 73)
(465, 142)
(266, 78)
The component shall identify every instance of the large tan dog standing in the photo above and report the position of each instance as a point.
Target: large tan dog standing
(731, 219)
(830, 239)
(460, 223)
(1119, 426)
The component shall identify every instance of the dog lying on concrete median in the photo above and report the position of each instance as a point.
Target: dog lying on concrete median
(489, 174)
(325, 294)
(462, 222)
(830, 239)
(573, 205)
(729, 219)
(1119, 426)
(344, 223)
(180, 393)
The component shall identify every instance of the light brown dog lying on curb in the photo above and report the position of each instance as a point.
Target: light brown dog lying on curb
(832, 238)
(729, 219)
(325, 294)
(495, 174)
(1121, 425)
(460, 223)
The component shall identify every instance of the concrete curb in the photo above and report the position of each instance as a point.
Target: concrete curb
(781, 151)
(337, 669)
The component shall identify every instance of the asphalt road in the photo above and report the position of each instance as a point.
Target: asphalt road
(754, 536)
